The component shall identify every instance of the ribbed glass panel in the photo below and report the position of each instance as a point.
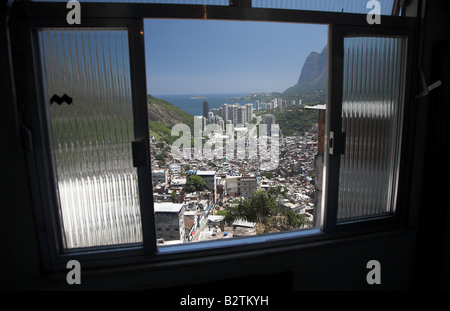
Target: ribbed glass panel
(91, 138)
(372, 106)
(346, 6)
(201, 2)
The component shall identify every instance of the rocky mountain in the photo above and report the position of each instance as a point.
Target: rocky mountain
(311, 85)
(314, 70)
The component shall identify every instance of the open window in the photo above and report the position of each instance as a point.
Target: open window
(365, 125)
(86, 118)
(257, 91)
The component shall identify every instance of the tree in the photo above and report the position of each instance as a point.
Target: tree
(263, 208)
(194, 183)
(256, 209)
(268, 175)
(221, 213)
(173, 196)
(293, 219)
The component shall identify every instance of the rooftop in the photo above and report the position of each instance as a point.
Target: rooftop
(167, 207)
(318, 107)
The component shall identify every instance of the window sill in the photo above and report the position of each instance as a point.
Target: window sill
(216, 251)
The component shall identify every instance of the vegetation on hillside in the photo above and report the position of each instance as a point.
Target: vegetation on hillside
(163, 116)
(295, 121)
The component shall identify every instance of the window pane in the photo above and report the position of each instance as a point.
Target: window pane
(372, 106)
(207, 2)
(346, 6)
(230, 172)
(91, 137)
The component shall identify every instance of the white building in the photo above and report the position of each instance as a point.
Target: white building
(160, 177)
(169, 221)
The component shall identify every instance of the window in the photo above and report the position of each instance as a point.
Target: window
(365, 125)
(91, 142)
(91, 135)
(192, 80)
(372, 109)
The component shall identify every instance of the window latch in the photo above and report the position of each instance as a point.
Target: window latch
(427, 89)
(140, 154)
(336, 144)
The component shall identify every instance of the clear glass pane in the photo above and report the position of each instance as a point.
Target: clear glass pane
(91, 137)
(372, 106)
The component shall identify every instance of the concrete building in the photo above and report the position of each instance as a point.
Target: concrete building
(269, 119)
(318, 162)
(169, 221)
(249, 110)
(210, 116)
(209, 177)
(241, 115)
(248, 185)
(205, 109)
(232, 187)
(160, 177)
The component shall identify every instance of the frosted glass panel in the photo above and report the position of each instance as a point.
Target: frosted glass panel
(207, 2)
(91, 135)
(346, 6)
(373, 90)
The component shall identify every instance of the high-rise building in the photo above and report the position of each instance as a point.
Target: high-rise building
(205, 109)
(241, 115)
(232, 113)
(210, 115)
(269, 119)
(225, 112)
(201, 122)
(249, 108)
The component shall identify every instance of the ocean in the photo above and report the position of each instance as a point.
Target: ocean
(193, 103)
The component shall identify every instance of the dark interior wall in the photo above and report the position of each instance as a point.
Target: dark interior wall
(407, 258)
(328, 266)
(19, 258)
(433, 219)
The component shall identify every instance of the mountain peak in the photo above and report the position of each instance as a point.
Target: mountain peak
(314, 69)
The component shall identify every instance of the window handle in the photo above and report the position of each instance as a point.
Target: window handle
(336, 143)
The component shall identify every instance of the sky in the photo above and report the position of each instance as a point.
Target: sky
(206, 57)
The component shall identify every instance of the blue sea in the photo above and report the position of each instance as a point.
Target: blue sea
(193, 103)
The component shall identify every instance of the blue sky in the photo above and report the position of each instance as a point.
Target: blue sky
(205, 57)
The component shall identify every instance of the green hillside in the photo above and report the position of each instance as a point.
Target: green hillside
(292, 119)
(295, 121)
